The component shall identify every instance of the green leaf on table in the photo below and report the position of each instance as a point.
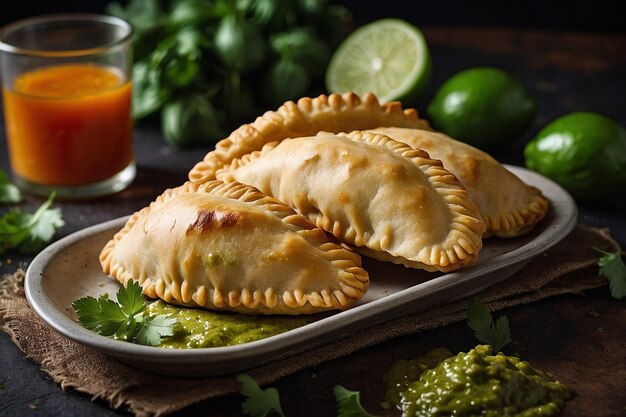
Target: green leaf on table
(42, 226)
(123, 319)
(260, 403)
(349, 403)
(612, 267)
(9, 193)
(29, 233)
(480, 320)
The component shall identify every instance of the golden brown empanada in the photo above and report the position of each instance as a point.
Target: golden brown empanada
(508, 206)
(390, 201)
(230, 247)
(333, 113)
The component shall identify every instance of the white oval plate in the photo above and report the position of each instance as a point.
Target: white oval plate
(70, 269)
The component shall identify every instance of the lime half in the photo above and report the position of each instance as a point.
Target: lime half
(387, 57)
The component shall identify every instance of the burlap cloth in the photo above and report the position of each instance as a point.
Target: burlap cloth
(569, 267)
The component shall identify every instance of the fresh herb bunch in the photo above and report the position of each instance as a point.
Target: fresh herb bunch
(205, 66)
(124, 319)
(25, 232)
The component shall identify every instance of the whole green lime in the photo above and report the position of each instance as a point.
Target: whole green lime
(485, 107)
(584, 152)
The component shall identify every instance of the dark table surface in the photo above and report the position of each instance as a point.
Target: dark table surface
(565, 72)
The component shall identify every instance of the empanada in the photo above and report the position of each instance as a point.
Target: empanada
(333, 113)
(390, 201)
(230, 247)
(508, 206)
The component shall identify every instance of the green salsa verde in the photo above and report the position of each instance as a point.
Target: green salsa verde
(476, 383)
(197, 328)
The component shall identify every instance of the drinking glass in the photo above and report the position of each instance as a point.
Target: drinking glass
(66, 87)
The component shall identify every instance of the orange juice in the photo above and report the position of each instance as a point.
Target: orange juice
(69, 124)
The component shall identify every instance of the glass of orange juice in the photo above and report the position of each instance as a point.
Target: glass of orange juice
(66, 87)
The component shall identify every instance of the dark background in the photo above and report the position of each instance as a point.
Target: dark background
(599, 16)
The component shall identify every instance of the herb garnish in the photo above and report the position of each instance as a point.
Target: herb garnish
(9, 193)
(262, 403)
(123, 319)
(349, 403)
(612, 268)
(29, 233)
(497, 333)
(259, 403)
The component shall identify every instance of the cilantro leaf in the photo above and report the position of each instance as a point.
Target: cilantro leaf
(131, 298)
(112, 317)
(349, 403)
(153, 329)
(9, 193)
(612, 267)
(123, 319)
(89, 313)
(479, 319)
(260, 403)
(29, 233)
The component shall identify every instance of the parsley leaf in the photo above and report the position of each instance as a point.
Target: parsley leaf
(479, 319)
(123, 319)
(612, 267)
(349, 403)
(260, 403)
(9, 193)
(29, 233)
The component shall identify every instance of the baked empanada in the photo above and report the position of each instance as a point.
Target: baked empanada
(390, 201)
(333, 113)
(508, 206)
(230, 247)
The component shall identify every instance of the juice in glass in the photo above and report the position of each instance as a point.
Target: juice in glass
(69, 124)
(66, 87)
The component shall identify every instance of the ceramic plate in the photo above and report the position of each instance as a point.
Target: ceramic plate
(69, 269)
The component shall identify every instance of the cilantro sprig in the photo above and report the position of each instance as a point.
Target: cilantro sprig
(497, 334)
(29, 233)
(259, 403)
(263, 403)
(612, 268)
(123, 319)
(9, 193)
(349, 403)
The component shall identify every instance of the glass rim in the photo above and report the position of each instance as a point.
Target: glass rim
(64, 18)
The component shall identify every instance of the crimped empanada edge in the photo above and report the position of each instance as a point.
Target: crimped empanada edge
(462, 244)
(292, 119)
(353, 280)
(519, 220)
(464, 241)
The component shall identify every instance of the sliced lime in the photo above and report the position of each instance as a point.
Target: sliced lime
(387, 57)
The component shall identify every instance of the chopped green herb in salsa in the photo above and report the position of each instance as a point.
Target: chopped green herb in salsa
(202, 328)
(476, 383)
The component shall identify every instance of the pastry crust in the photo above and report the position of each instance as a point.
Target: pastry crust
(508, 206)
(333, 113)
(389, 200)
(231, 247)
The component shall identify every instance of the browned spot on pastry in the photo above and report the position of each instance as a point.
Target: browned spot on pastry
(213, 219)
